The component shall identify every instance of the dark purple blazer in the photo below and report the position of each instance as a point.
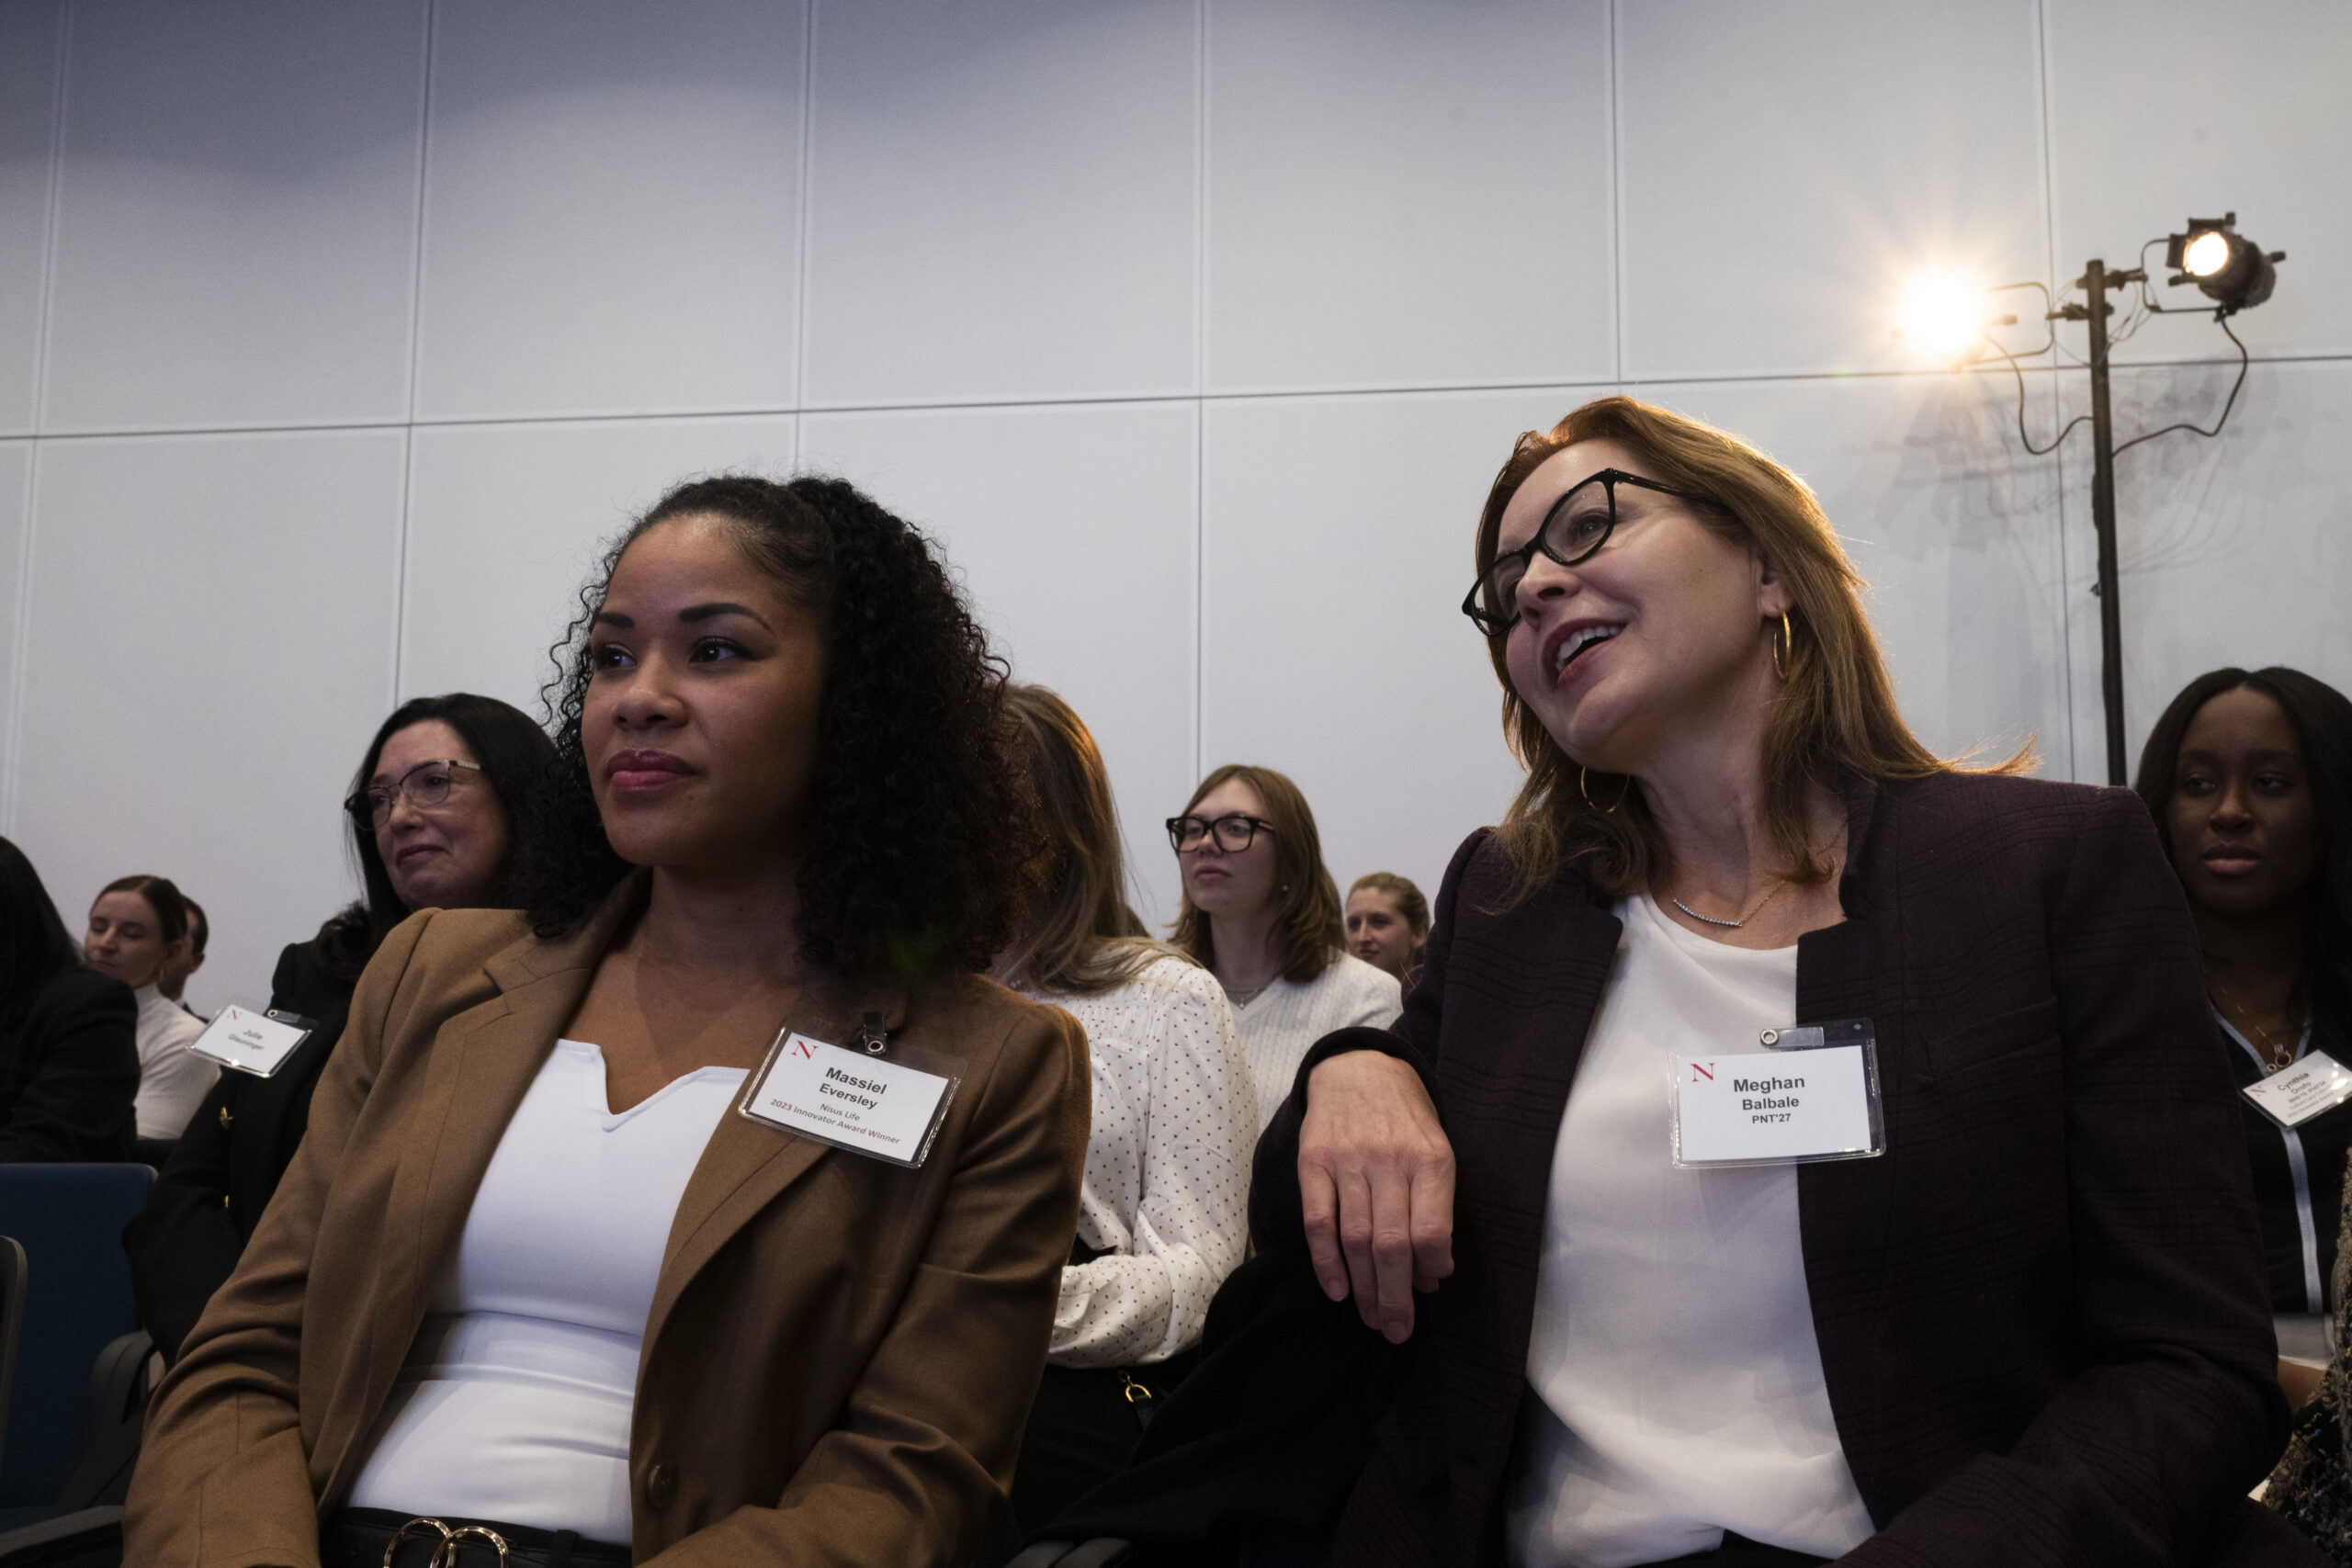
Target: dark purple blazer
(2041, 1312)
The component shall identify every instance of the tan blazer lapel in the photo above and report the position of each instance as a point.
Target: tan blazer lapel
(747, 1163)
(478, 1067)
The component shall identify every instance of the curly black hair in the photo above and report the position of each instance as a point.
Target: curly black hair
(920, 834)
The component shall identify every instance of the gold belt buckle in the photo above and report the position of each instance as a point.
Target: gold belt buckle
(444, 1550)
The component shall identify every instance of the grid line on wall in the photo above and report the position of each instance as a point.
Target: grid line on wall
(2050, 242)
(415, 357)
(1616, 202)
(806, 200)
(1200, 379)
(20, 632)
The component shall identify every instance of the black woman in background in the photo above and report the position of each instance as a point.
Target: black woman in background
(2250, 776)
(434, 824)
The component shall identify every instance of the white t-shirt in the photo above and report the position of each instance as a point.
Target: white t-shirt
(1678, 1384)
(173, 1079)
(515, 1401)
(1167, 1192)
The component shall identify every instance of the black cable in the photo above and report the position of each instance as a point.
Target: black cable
(2244, 359)
(2020, 374)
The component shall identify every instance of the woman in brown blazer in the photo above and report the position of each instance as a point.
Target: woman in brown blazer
(538, 1281)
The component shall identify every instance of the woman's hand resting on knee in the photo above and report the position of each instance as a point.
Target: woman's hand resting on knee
(1375, 1179)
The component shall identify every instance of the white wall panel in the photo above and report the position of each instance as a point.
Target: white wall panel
(1951, 523)
(1787, 167)
(1406, 193)
(1336, 547)
(237, 223)
(1002, 202)
(612, 207)
(209, 649)
(1073, 531)
(507, 522)
(2168, 110)
(2233, 551)
(29, 31)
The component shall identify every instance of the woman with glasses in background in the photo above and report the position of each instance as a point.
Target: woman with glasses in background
(1261, 913)
(434, 823)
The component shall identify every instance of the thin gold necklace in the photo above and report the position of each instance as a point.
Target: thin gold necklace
(1753, 910)
(2279, 1053)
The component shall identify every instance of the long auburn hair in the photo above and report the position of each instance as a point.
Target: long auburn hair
(2321, 718)
(1308, 922)
(1835, 717)
(1082, 937)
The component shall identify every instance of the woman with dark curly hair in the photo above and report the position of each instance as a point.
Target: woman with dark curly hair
(717, 1203)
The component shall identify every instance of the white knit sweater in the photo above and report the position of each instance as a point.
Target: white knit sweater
(1283, 1021)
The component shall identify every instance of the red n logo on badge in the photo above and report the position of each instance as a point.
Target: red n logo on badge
(801, 1043)
(1698, 1072)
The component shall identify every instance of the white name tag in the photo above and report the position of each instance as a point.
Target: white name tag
(2303, 1089)
(249, 1041)
(849, 1099)
(1815, 1098)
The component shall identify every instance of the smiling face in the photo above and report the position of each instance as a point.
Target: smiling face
(2243, 825)
(126, 940)
(1662, 632)
(701, 719)
(1229, 882)
(445, 856)
(1378, 932)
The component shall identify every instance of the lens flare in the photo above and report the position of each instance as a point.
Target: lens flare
(2207, 253)
(1945, 316)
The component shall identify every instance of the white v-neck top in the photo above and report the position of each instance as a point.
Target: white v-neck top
(514, 1401)
(1677, 1381)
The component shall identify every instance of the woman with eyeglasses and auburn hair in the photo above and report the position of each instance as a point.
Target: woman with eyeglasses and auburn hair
(69, 1052)
(1969, 1275)
(1261, 913)
(1161, 1220)
(437, 818)
(713, 1207)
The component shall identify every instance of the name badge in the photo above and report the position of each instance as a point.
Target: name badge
(849, 1099)
(1812, 1094)
(2302, 1089)
(251, 1039)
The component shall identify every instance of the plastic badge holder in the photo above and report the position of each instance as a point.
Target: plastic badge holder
(850, 1108)
(1861, 1136)
(253, 1040)
(2310, 1085)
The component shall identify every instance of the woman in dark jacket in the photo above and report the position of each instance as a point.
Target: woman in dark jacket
(69, 1053)
(2004, 1308)
(2249, 776)
(434, 825)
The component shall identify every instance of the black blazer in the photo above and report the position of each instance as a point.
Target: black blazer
(211, 1193)
(2041, 1312)
(69, 1072)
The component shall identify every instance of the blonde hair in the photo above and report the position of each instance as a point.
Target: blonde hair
(1307, 913)
(1081, 938)
(1409, 902)
(1836, 717)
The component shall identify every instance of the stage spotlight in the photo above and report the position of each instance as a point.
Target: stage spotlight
(1947, 316)
(2231, 269)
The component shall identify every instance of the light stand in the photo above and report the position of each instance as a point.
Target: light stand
(2232, 272)
(2095, 309)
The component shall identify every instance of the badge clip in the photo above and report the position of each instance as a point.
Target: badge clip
(871, 1035)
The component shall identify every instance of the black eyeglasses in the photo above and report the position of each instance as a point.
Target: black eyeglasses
(425, 786)
(1578, 524)
(1233, 833)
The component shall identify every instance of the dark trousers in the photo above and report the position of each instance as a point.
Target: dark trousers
(1738, 1551)
(1083, 1430)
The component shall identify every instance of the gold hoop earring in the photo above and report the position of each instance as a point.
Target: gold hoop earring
(1786, 643)
(1609, 810)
